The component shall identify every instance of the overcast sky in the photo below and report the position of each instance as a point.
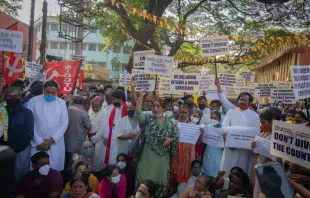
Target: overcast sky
(24, 13)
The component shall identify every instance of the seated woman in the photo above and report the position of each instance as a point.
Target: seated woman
(128, 171)
(79, 187)
(93, 182)
(200, 189)
(113, 183)
(147, 189)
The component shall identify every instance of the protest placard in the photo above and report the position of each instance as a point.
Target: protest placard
(263, 90)
(285, 95)
(139, 58)
(122, 79)
(164, 85)
(32, 69)
(263, 147)
(189, 133)
(212, 93)
(241, 137)
(214, 46)
(213, 137)
(185, 82)
(283, 84)
(160, 65)
(77, 57)
(301, 81)
(240, 82)
(227, 79)
(11, 41)
(291, 142)
(143, 81)
(205, 83)
(248, 76)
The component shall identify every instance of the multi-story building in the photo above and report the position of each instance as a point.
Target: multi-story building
(93, 44)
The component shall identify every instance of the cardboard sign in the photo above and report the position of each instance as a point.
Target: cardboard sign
(31, 69)
(214, 46)
(143, 81)
(139, 58)
(263, 90)
(212, 93)
(227, 79)
(205, 83)
(263, 147)
(189, 133)
(248, 76)
(240, 82)
(184, 82)
(241, 137)
(11, 41)
(160, 65)
(233, 92)
(122, 79)
(283, 84)
(285, 95)
(164, 85)
(213, 137)
(291, 142)
(301, 81)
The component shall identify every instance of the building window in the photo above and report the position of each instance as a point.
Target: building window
(100, 48)
(116, 67)
(72, 46)
(54, 27)
(54, 45)
(116, 49)
(84, 46)
(126, 49)
(63, 45)
(123, 67)
(93, 31)
(101, 64)
(92, 47)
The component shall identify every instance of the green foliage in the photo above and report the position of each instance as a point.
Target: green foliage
(10, 7)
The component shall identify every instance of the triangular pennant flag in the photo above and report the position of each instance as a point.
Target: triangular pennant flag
(154, 19)
(138, 12)
(113, 2)
(134, 11)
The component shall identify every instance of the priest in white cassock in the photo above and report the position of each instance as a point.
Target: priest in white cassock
(50, 123)
(238, 116)
(119, 111)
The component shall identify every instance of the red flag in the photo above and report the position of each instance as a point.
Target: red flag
(64, 73)
(80, 79)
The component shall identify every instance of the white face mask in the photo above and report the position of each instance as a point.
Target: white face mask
(214, 122)
(157, 115)
(121, 165)
(44, 170)
(116, 179)
(175, 108)
(169, 113)
(194, 120)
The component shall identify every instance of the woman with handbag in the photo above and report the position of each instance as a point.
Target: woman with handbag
(161, 137)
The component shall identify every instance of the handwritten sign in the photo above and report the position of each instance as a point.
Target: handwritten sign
(263, 90)
(233, 92)
(301, 81)
(227, 79)
(214, 46)
(240, 82)
(160, 65)
(184, 82)
(139, 58)
(143, 81)
(212, 93)
(241, 137)
(32, 69)
(189, 133)
(164, 85)
(248, 76)
(122, 79)
(285, 95)
(263, 147)
(291, 142)
(213, 137)
(205, 83)
(11, 41)
(283, 84)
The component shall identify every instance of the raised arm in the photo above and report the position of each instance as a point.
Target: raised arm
(223, 99)
(139, 115)
(134, 97)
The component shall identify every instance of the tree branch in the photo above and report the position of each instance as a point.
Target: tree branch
(191, 11)
(244, 13)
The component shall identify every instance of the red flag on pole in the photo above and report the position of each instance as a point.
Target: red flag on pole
(63, 73)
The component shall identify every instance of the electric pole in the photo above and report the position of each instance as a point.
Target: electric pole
(31, 29)
(43, 36)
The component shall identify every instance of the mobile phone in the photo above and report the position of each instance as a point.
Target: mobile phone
(273, 181)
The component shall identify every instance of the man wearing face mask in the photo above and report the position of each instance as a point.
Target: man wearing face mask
(50, 123)
(42, 181)
(202, 104)
(189, 102)
(20, 131)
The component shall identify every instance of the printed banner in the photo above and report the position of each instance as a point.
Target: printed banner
(139, 58)
(212, 93)
(31, 69)
(189, 133)
(291, 142)
(241, 137)
(11, 41)
(301, 80)
(285, 95)
(248, 76)
(227, 79)
(183, 82)
(263, 147)
(213, 137)
(63, 73)
(205, 83)
(143, 81)
(77, 57)
(160, 65)
(263, 90)
(214, 46)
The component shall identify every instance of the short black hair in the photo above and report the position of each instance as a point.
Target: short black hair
(107, 172)
(120, 88)
(217, 102)
(201, 98)
(196, 162)
(51, 83)
(246, 94)
(244, 178)
(107, 87)
(80, 163)
(271, 113)
(187, 97)
(80, 176)
(237, 169)
(218, 114)
(39, 155)
(302, 114)
(119, 95)
(151, 186)
(121, 155)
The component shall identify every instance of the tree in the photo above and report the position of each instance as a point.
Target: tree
(10, 7)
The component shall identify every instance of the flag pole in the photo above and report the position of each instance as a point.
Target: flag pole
(2, 60)
(76, 77)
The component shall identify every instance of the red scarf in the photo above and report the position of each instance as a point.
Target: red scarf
(111, 122)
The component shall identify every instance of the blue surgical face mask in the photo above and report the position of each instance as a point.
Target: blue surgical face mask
(49, 98)
(225, 111)
(130, 112)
